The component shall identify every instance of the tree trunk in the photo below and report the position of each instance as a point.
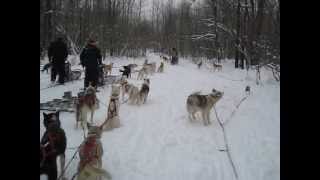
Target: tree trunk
(238, 37)
(48, 15)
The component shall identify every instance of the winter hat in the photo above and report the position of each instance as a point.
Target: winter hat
(91, 41)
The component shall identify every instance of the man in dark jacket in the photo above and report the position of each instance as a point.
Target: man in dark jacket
(58, 53)
(91, 59)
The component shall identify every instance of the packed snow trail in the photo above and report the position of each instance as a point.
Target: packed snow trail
(157, 141)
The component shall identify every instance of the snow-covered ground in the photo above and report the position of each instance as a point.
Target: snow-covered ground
(156, 141)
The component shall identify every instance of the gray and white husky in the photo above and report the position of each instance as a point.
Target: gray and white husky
(86, 103)
(143, 72)
(202, 103)
(90, 153)
(144, 91)
(131, 90)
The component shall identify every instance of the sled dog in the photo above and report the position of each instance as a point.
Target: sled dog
(142, 73)
(108, 68)
(90, 153)
(53, 139)
(166, 59)
(160, 69)
(202, 103)
(247, 90)
(126, 71)
(112, 120)
(46, 67)
(86, 103)
(144, 91)
(217, 67)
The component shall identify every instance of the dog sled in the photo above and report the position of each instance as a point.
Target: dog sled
(66, 104)
(105, 79)
(72, 75)
(112, 79)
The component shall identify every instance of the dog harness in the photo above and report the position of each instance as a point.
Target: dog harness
(112, 113)
(89, 151)
(90, 99)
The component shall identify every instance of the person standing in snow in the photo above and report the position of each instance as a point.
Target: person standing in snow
(174, 56)
(91, 59)
(58, 53)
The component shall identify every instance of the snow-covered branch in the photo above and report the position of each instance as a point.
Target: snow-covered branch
(207, 36)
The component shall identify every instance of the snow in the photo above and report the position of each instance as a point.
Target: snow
(157, 141)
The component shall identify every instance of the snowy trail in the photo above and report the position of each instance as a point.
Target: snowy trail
(157, 141)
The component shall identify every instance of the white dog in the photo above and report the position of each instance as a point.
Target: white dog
(202, 103)
(131, 90)
(112, 120)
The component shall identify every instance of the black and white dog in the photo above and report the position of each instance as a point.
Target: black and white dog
(126, 71)
(46, 67)
(247, 90)
(53, 144)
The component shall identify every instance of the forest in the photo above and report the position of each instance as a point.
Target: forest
(247, 31)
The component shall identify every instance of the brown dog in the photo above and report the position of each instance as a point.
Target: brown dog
(108, 68)
(217, 67)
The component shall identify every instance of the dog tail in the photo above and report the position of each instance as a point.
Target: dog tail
(98, 172)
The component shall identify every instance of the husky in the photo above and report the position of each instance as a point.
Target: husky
(51, 117)
(112, 120)
(132, 66)
(165, 58)
(247, 90)
(142, 73)
(90, 153)
(46, 67)
(107, 68)
(129, 89)
(144, 91)
(86, 103)
(133, 93)
(148, 68)
(202, 103)
(217, 67)
(123, 86)
(160, 69)
(126, 71)
(199, 64)
(52, 145)
(152, 67)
